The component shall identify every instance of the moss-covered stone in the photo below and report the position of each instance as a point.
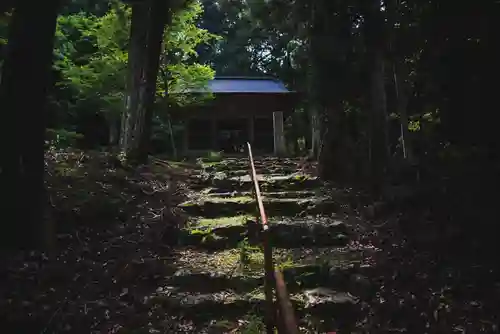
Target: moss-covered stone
(212, 207)
(213, 238)
(272, 194)
(320, 302)
(285, 234)
(266, 183)
(242, 269)
(222, 221)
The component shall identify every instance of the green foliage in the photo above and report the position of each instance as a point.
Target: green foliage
(250, 257)
(60, 138)
(4, 24)
(183, 35)
(244, 248)
(213, 156)
(253, 324)
(414, 126)
(91, 54)
(182, 72)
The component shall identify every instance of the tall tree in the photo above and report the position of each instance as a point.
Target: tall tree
(28, 60)
(160, 14)
(376, 47)
(147, 29)
(133, 118)
(400, 73)
(91, 71)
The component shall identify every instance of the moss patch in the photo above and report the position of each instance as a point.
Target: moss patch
(236, 199)
(214, 237)
(215, 207)
(223, 221)
(205, 164)
(212, 207)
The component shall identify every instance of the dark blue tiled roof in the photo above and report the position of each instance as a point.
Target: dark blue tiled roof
(244, 85)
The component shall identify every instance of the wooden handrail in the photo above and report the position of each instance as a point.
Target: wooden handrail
(273, 278)
(260, 204)
(286, 314)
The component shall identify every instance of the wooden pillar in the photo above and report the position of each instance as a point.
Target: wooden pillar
(279, 134)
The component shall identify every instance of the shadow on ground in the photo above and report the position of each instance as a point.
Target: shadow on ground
(126, 264)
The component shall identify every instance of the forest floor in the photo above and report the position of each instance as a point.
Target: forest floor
(163, 249)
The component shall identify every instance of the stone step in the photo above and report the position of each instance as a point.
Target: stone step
(327, 304)
(259, 170)
(317, 310)
(227, 164)
(212, 207)
(285, 233)
(271, 194)
(267, 182)
(298, 277)
(322, 283)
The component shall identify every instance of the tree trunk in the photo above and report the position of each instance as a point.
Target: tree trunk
(375, 40)
(401, 84)
(378, 115)
(28, 62)
(314, 78)
(146, 36)
(400, 76)
(172, 138)
(158, 19)
(132, 119)
(114, 131)
(315, 134)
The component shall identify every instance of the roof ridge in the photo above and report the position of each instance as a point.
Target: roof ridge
(230, 77)
(233, 84)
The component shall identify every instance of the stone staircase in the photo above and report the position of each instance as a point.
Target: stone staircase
(217, 276)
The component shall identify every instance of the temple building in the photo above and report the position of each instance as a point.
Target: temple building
(243, 109)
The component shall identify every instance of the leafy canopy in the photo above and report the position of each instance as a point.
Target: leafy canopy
(91, 56)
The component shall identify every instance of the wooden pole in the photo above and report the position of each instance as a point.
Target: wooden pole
(268, 253)
(287, 324)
